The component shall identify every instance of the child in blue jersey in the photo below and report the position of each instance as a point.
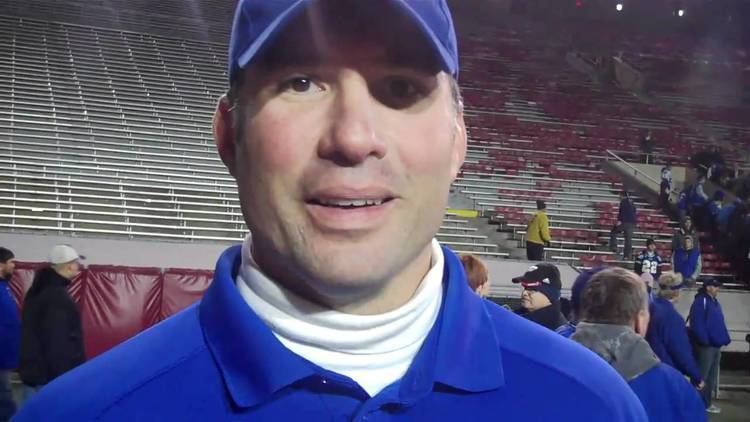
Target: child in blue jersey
(648, 261)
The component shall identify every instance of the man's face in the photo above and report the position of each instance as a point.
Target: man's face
(348, 147)
(533, 300)
(651, 247)
(712, 290)
(7, 268)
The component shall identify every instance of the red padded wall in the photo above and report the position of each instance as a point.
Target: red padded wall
(117, 303)
(181, 288)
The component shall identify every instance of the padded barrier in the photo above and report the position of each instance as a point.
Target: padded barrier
(117, 303)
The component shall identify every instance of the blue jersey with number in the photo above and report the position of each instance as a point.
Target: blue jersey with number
(648, 263)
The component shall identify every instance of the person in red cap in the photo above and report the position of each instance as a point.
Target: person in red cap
(540, 299)
(343, 128)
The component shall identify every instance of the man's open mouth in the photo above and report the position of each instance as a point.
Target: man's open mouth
(349, 203)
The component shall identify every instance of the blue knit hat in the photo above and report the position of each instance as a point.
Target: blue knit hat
(711, 281)
(579, 285)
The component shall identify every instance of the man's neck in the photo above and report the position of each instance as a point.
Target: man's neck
(391, 295)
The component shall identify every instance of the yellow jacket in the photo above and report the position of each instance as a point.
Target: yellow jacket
(538, 229)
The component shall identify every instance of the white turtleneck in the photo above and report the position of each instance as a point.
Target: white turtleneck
(373, 350)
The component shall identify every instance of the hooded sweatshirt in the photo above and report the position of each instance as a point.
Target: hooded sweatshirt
(707, 325)
(664, 393)
(687, 263)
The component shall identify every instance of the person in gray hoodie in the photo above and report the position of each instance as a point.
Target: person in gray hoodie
(614, 310)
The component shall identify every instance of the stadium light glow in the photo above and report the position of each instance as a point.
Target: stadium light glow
(681, 13)
(619, 7)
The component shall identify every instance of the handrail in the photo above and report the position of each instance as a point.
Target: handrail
(636, 170)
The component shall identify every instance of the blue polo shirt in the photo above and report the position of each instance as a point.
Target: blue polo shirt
(217, 361)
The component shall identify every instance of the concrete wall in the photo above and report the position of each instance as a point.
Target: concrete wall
(502, 271)
(100, 251)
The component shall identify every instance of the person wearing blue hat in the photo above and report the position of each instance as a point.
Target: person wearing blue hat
(576, 293)
(343, 128)
(709, 334)
(666, 329)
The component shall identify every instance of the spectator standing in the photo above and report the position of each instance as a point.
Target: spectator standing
(697, 197)
(647, 147)
(476, 275)
(666, 331)
(665, 186)
(537, 233)
(626, 222)
(648, 261)
(615, 309)
(10, 334)
(540, 299)
(687, 261)
(686, 229)
(52, 337)
(709, 333)
(713, 210)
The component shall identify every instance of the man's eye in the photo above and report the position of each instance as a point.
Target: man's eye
(401, 88)
(398, 92)
(301, 85)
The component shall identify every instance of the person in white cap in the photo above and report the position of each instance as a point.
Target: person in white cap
(51, 338)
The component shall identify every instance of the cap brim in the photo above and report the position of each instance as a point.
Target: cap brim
(279, 24)
(518, 280)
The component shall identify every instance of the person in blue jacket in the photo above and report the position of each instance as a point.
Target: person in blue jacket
(614, 308)
(576, 291)
(666, 330)
(709, 333)
(343, 129)
(687, 261)
(10, 334)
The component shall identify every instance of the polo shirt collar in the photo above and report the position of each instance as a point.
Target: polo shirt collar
(466, 349)
(253, 363)
(461, 351)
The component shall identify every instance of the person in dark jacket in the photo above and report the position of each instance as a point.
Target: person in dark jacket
(709, 333)
(666, 331)
(52, 337)
(626, 221)
(540, 299)
(615, 317)
(10, 334)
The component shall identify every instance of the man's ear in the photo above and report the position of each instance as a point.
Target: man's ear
(223, 128)
(459, 145)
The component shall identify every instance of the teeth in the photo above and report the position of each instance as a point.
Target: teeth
(351, 202)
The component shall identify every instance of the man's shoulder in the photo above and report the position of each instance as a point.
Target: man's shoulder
(531, 353)
(168, 351)
(666, 379)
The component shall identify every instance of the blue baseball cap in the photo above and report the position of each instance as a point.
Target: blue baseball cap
(258, 22)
